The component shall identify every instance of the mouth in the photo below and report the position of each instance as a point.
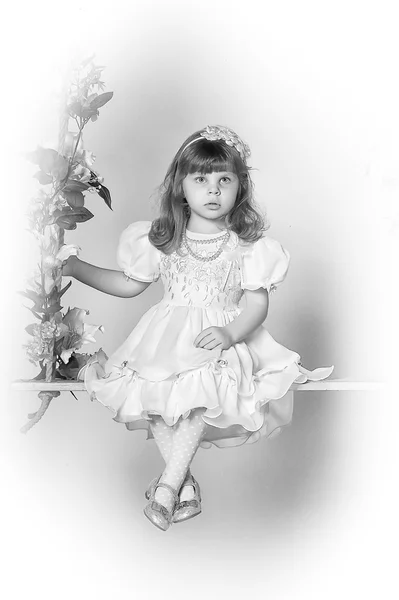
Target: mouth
(212, 204)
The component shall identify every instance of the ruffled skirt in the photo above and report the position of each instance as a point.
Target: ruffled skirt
(158, 370)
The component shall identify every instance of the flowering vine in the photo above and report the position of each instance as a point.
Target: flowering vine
(65, 175)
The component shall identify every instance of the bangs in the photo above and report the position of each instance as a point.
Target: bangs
(208, 156)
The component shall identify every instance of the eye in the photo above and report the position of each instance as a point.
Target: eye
(200, 179)
(225, 179)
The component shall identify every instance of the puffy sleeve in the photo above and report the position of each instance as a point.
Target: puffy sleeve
(264, 264)
(136, 256)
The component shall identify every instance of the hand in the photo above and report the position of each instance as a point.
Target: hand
(68, 266)
(213, 337)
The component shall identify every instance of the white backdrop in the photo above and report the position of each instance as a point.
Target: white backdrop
(312, 88)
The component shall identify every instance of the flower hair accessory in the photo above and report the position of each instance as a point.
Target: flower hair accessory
(218, 132)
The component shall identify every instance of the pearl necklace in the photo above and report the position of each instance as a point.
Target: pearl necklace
(224, 239)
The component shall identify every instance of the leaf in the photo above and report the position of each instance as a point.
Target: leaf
(75, 108)
(58, 213)
(36, 298)
(87, 113)
(93, 181)
(57, 375)
(66, 222)
(47, 158)
(71, 369)
(52, 296)
(101, 100)
(70, 217)
(82, 214)
(104, 193)
(60, 168)
(34, 312)
(75, 186)
(33, 157)
(41, 375)
(75, 199)
(53, 309)
(43, 178)
(58, 346)
(64, 289)
(90, 98)
(30, 328)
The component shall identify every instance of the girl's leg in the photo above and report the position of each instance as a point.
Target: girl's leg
(186, 440)
(163, 436)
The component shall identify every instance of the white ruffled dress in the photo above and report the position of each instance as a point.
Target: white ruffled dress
(158, 370)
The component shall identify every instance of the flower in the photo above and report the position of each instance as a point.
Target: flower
(96, 363)
(76, 332)
(49, 330)
(37, 350)
(39, 347)
(81, 173)
(52, 260)
(88, 158)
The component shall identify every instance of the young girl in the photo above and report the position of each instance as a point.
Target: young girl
(198, 369)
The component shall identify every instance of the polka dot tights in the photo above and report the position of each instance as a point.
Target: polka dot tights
(178, 445)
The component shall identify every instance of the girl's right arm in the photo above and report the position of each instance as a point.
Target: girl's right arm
(105, 280)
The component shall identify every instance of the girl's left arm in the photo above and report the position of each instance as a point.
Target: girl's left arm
(253, 315)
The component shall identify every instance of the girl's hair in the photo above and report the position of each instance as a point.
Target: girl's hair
(204, 156)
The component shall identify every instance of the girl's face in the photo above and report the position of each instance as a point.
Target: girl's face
(210, 196)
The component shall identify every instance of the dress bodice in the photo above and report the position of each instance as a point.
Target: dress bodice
(190, 281)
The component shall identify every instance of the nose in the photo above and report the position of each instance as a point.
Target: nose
(213, 189)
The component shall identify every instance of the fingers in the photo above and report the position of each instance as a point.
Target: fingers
(207, 340)
(201, 336)
(211, 345)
